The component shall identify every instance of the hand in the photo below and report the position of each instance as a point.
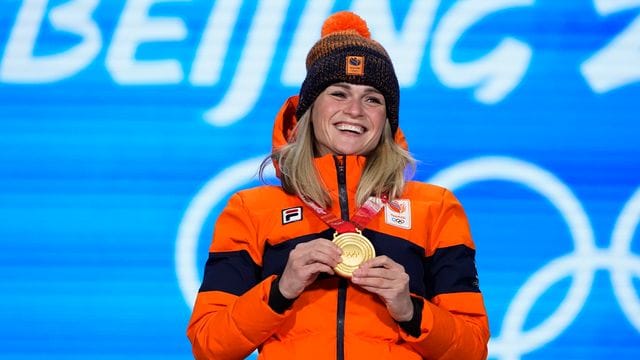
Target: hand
(387, 279)
(306, 261)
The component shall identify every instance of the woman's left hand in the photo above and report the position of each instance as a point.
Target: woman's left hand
(387, 279)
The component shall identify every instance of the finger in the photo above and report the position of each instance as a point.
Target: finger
(391, 273)
(372, 290)
(323, 245)
(380, 261)
(318, 257)
(311, 252)
(376, 282)
(377, 273)
(316, 268)
(383, 292)
(326, 255)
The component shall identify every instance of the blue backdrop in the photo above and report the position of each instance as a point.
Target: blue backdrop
(125, 126)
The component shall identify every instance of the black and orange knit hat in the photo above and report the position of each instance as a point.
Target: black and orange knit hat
(346, 53)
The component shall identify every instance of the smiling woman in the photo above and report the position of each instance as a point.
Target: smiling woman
(311, 268)
(348, 119)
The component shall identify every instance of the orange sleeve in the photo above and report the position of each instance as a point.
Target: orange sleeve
(454, 322)
(231, 316)
(225, 326)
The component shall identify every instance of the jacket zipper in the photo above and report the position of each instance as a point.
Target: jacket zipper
(343, 198)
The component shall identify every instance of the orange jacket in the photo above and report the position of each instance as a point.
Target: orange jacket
(332, 318)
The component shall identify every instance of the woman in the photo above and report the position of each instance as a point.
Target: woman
(346, 259)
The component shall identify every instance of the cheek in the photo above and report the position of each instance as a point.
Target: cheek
(315, 120)
(379, 122)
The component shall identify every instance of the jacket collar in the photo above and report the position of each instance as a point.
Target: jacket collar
(327, 167)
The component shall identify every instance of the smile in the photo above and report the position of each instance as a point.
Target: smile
(351, 128)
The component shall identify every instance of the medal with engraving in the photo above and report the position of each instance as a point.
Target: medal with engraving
(356, 249)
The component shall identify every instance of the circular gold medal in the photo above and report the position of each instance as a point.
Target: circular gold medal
(356, 249)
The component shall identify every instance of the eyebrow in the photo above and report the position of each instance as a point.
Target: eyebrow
(345, 85)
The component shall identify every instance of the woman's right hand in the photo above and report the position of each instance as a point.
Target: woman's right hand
(306, 261)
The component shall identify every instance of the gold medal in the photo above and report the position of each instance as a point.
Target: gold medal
(356, 249)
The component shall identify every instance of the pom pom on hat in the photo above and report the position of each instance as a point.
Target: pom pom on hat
(345, 21)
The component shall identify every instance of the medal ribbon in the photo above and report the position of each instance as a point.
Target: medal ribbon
(360, 219)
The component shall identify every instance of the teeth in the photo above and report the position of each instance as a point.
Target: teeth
(350, 127)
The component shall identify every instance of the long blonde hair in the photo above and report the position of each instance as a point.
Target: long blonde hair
(385, 171)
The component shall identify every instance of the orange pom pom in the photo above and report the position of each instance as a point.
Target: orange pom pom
(344, 21)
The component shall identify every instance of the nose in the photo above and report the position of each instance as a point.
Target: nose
(354, 108)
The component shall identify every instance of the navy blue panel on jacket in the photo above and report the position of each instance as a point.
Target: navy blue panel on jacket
(455, 270)
(233, 272)
(405, 253)
(454, 267)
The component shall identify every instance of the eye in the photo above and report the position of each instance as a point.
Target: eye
(375, 100)
(338, 94)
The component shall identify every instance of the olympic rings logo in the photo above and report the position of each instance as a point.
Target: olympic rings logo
(512, 341)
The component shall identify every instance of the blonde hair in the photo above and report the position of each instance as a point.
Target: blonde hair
(386, 169)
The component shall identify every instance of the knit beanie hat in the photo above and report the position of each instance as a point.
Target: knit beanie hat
(346, 53)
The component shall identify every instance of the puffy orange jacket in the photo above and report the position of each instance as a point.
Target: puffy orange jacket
(332, 318)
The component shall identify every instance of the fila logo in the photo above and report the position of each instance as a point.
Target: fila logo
(291, 214)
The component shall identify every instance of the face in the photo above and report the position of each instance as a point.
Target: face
(348, 119)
